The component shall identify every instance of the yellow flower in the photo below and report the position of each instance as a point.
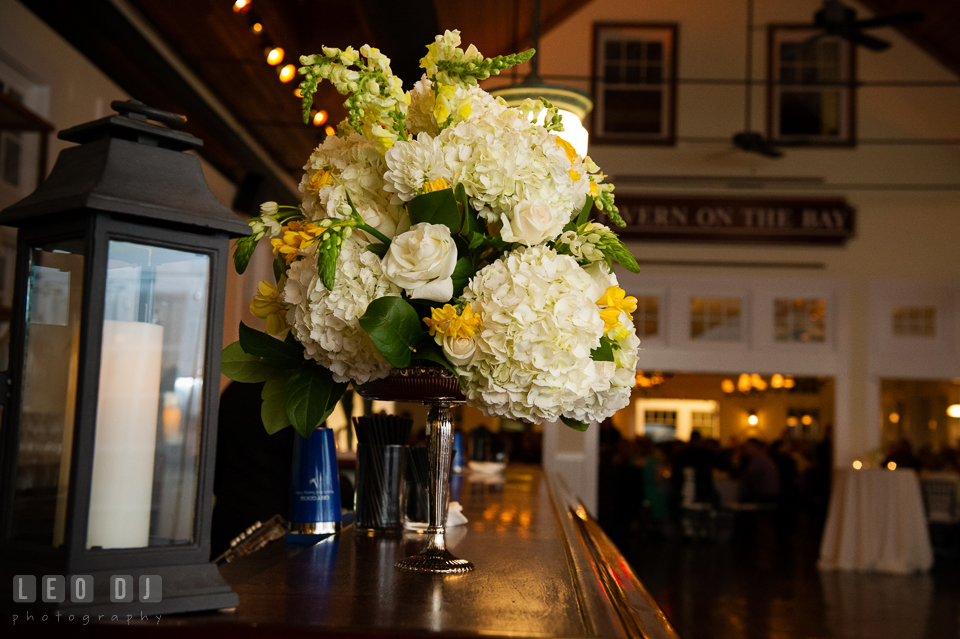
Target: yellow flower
(574, 175)
(593, 188)
(294, 238)
(441, 112)
(319, 180)
(446, 321)
(465, 111)
(616, 301)
(437, 185)
(267, 306)
(568, 149)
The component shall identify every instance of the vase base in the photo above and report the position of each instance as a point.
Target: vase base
(435, 560)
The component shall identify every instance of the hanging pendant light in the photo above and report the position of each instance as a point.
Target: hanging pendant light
(573, 105)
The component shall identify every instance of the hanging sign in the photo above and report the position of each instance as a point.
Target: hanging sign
(735, 220)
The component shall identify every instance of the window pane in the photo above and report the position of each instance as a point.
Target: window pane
(146, 463)
(631, 74)
(613, 50)
(789, 51)
(49, 393)
(634, 49)
(800, 320)
(801, 113)
(632, 111)
(611, 73)
(654, 74)
(654, 51)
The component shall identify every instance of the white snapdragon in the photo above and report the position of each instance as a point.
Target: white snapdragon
(421, 262)
(327, 322)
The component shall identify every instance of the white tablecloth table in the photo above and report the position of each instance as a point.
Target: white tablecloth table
(876, 522)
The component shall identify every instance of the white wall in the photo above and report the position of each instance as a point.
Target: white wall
(908, 235)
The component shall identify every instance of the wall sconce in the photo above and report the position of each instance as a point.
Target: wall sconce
(953, 411)
(752, 419)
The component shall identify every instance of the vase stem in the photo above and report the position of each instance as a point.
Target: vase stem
(435, 557)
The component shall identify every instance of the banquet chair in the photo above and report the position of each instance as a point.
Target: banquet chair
(941, 500)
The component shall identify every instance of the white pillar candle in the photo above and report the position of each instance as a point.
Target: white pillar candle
(125, 444)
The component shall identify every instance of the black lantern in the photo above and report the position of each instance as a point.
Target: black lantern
(109, 429)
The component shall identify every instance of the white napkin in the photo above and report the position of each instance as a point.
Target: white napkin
(455, 517)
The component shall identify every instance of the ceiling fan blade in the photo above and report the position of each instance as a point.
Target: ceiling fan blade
(887, 21)
(753, 142)
(868, 41)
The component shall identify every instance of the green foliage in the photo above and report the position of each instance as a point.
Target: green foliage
(273, 410)
(279, 267)
(574, 424)
(462, 272)
(310, 395)
(604, 352)
(272, 352)
(378, 249)
(394, 327)
(243, 367)
(437, 207)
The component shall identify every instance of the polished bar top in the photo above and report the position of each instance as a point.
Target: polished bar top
(543, 569)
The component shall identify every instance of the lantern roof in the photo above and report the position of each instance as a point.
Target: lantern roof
(129, 166)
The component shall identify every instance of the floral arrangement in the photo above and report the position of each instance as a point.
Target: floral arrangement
(440, 227)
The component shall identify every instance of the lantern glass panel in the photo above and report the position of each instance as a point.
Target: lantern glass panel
(146, 453)
(49, 391)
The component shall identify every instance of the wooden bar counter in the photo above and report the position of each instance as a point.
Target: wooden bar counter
(543, 569)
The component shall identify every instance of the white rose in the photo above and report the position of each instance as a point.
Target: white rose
(529, 223)
(459, 350)
(421, 262)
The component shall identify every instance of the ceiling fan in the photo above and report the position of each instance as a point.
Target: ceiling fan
(837, 19)
(749, 140)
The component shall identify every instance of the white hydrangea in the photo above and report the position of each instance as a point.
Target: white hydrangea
(327, 322)
(351, 164)
(507, 166)
(615, 380)
(540, 324)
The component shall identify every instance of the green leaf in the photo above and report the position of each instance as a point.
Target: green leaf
(469, 222)
(437, 207)
(476, 239)
(243, 367)
(394, 326)
(310, 396)
(574, 424)
(582, 218)
(378, 249)
(429, 352)
(243, 250)
(604, 352)
(462, 273)
(279, 268)
(273, 410)
(273, 352)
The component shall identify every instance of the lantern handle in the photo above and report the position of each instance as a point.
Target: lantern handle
(138, 108)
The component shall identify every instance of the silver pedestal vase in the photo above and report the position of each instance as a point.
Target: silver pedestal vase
(440, 390)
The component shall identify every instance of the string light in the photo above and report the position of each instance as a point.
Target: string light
(257, 27)
(319, 118)
(297, 92)
(241, 5)
(753, 420)
(857, 464)
(953, 411)
(894, 418)
(330, 130)
(892, 465)
(287, 73)
(806, 420)
(275, 56)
